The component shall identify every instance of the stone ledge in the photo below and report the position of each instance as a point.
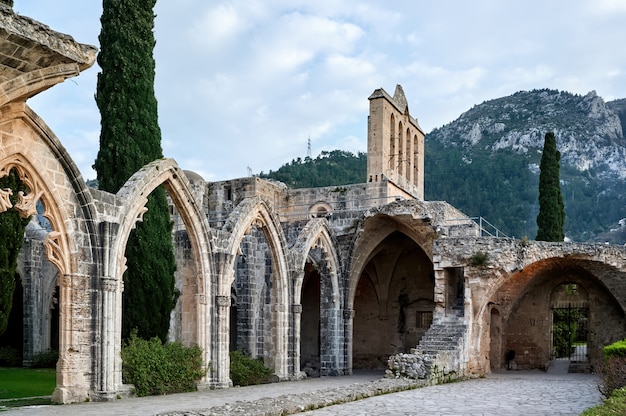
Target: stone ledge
(290, 404)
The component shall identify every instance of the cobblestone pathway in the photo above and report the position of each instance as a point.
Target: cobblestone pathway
(505, 394)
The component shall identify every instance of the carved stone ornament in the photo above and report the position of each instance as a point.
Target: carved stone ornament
(27, 204)
(223, 301)
(5, 199)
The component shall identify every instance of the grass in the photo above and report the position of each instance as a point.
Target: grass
(26, 386)
(614, 405)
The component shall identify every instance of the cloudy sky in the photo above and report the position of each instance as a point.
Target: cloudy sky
(242, 85)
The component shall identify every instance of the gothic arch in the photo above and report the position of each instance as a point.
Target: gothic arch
(317, 324)
(365, 244)
(134, 196)
(315, 234)
(28, 145)
(255, 211)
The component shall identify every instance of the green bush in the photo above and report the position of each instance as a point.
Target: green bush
(10, 357)
(245, 371)
(479, 259)
(156, 368)
(45, 359)
(613, 369)
(617, 349)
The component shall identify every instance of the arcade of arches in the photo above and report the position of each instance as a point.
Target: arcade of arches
(314, 281)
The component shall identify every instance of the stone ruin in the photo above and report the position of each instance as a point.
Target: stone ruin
(316, 282)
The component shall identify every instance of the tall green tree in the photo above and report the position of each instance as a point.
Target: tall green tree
(11, 238)
(7, 2)
(551, 217)
(130, 138)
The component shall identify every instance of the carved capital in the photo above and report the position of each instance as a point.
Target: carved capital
(108, 284)
(222, 301)
(65, 281)
(348, 315)
(201, 299)
(296, 308)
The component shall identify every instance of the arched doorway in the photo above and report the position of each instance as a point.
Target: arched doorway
(569, 303)
(393, 301)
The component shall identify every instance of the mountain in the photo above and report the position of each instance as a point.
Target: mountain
(486, 162)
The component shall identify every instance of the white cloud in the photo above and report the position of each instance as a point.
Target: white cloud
(247, 83)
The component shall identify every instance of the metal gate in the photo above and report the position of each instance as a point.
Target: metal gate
(569, 332)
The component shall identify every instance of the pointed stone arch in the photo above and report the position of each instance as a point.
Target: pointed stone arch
(321, 311)
(390, 288)
(28, 145)
(133, 198)
(250, 212)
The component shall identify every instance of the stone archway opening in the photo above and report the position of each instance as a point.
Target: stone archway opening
(310, 321)
(561, 312)
(569, 303)
(393, 302)
(254, 294)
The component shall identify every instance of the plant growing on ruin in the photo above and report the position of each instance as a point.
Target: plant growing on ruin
(7, 2)
(12, 228)
(130, 138)
(551, 217)
(479, 259)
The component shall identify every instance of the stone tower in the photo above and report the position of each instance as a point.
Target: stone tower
(395, 145)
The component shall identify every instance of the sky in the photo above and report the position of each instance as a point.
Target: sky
(243, 86)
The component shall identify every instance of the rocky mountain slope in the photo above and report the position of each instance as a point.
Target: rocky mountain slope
(486, 162)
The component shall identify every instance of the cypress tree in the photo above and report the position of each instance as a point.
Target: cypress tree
(12, 236)
(551, 217)
(130, 138)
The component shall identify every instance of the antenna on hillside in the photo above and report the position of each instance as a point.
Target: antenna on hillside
(308, 150)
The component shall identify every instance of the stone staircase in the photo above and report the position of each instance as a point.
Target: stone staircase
(438, 356)
(445, 335)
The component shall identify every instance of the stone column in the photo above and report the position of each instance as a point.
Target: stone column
(221, 362)
(296, 316)
(110, 360)
(348, 322)
(71, 384)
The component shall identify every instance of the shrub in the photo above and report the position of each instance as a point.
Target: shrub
(10, 357)
(245, 371)
(479, 259)
(613, 369)
(156, 368)
(45, 359)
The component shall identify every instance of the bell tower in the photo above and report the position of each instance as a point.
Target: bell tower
(395, 145)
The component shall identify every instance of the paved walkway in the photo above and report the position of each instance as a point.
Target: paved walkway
(503, 394)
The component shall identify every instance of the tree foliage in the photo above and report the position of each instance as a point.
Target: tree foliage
(336, 167)
(130, 138)
(551, 217)
(11, 237)
(7, 2)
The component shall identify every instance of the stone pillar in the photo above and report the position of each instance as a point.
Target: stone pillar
(110, 372)
(221, 361)
(440, 294)
(348, 322)
(71, 384)
(296, 316)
